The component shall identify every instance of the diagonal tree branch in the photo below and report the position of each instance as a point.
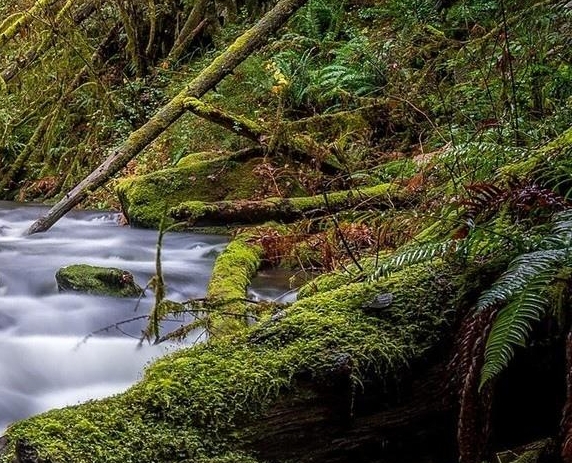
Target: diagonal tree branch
(222, 66)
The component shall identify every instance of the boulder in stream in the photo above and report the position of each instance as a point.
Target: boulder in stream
(104, 281)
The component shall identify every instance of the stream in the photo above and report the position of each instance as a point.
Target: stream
(45, 360)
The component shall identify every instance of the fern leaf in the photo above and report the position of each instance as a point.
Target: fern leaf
(421, 253)
(513, 325)
(520, 273)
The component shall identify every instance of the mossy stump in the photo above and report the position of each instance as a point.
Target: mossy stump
(102, 281)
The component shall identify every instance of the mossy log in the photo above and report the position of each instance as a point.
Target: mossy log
(321, 381)
(300, 146)
(234, 269)
(550, 154)
(240, 125)
(330, 127)
(221, 66)
(285, 210)
(225, 308)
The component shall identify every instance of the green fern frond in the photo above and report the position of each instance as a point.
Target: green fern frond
(513, 325)
(525, 288)
(417, 255)
(562, 229)
(520, 273)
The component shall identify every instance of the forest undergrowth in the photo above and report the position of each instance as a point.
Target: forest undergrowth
(367, 139)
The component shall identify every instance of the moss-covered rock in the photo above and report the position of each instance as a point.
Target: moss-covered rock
(147, 198)
(193, 404)
(104, 281)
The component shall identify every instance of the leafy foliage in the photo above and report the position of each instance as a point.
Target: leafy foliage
(524, 287)
(415, 255)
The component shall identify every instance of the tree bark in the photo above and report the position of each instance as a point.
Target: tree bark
(319, 425)
(300, 146)
(285, 210)
(222, 66)
(193, 25)
(235, 123)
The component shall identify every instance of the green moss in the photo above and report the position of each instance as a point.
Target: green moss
(520, 169)
(329, 127)
(349, 274)
(284, 209)
(557, 150)
(341, 198)
(439, 227)
(192, 405)
(542, 450)
(230, 457)
(232, 273)
(97, 280)
(564, 140)
(192, 159)
(147, 198)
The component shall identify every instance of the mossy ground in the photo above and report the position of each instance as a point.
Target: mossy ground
(428, 75)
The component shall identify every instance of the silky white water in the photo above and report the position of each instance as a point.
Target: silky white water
(43, 361)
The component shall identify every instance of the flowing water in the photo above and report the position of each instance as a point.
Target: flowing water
(43, 361)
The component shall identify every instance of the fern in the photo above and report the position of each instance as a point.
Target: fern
(513, 324)
(524, 288)
(417, 255)
(321, 19)
(521, 272)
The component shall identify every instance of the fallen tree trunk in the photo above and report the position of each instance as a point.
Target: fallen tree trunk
(197, 213)
(332, 425)
(316, 382)
(240, 125)
(225, 308)
(298, 145)
(222, 66)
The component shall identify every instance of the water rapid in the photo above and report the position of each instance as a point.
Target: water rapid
(43, 361)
